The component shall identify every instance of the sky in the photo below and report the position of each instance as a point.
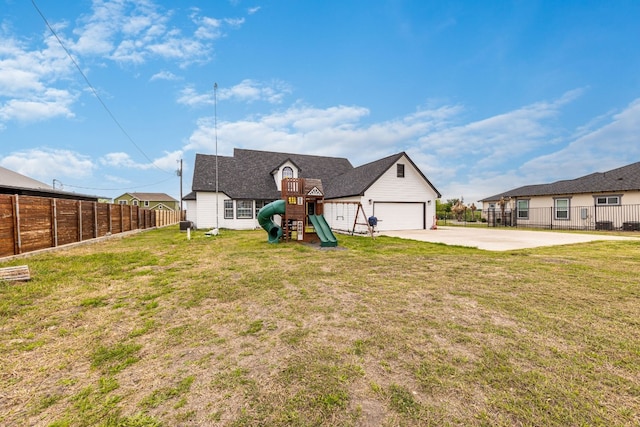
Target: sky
(105, 97)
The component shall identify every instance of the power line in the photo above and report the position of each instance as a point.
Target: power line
(111, 189)
(95, 92)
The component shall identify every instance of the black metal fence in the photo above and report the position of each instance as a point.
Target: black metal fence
(618, 218)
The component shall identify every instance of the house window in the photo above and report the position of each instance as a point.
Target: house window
(259, 205)
(146, 203)
(607, 200)
(400, 170)
(523, 209)
(287, 172)
(561, 208)
(228, 209)
(134, 202)
(122, 202)
(244, 209)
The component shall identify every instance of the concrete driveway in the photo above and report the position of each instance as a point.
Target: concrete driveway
(499, 239)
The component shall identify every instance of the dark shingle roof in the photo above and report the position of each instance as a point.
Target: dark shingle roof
(248, 174)
(190, 196)
(626, 178)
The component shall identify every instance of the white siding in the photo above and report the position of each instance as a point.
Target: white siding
(205, 213)
(206, 210)
(341, 216)
(399, 191)
(192, 211)
(278, 176)
(407, 203)
(627, 198)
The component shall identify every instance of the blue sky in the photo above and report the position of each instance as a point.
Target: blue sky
(484, 96)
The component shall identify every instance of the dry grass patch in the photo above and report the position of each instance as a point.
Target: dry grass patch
(155, 330)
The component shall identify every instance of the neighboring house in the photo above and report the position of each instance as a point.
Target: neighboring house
(14, 183)
(393, 189)
(153, 201)
(601, 201)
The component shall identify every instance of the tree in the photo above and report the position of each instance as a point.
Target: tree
(473, 208)
(459, 209)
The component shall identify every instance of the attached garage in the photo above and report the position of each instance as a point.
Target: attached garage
(400, 215)
(393, 189)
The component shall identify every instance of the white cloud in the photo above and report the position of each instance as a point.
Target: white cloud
(46, 164)
(247, 90)
(612, 145)
(234, 22)
(117, 179)
(26, 89)
(129, 31)
(164, 75)
(119, 160)
(167, 163)
(334, 131)
(461, 159)
(189, 96)
(32, 110)
(124, 31)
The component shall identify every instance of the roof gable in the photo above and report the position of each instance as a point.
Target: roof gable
(358, 180)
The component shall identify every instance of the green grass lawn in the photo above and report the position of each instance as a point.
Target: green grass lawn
(155, 330)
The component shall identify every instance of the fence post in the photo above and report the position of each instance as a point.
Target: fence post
(109, 218)
(54, 222)
(95, 220)
(17, 245)
(79, 220)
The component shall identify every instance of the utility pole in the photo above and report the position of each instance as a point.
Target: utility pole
(179, 173)
(215, 130)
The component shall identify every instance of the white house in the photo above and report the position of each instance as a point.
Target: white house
(602, 201)
(393, 189)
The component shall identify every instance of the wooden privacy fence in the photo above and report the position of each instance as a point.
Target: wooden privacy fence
(29, 223)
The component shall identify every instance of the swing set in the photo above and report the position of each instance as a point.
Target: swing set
(359, 219)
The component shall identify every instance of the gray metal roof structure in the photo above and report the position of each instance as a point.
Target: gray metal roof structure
(9, 178)
(249, 173)
(14, 183)
(626, 178)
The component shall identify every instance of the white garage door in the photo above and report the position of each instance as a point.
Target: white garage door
(399, 216)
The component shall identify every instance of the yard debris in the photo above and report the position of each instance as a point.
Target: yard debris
(17, 273)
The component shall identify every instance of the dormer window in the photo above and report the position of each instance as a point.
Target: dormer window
(287, 172)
